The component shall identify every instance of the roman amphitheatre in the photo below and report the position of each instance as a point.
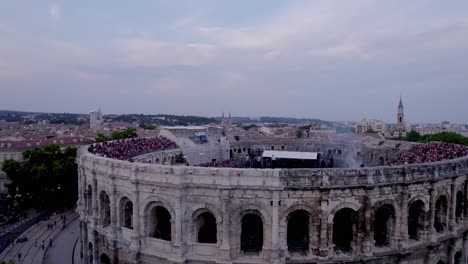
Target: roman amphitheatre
(211, 195)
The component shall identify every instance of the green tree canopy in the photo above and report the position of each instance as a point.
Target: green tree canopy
(47, 179)
(127, 133)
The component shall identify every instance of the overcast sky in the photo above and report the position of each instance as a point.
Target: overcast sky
(334, 60)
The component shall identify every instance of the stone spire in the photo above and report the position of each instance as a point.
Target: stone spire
(400, 115)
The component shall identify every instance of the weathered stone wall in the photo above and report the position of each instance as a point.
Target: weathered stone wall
(273, 195)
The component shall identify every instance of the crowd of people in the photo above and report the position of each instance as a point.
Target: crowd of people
(430, 152)
(219, 164)
(125, 149)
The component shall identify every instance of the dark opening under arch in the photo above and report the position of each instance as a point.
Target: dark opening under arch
(416, 219)
(384, 225)
(207, 231)
(440, 221)
(251, 233)
(160, 224)
(298, 231)
(459, 206)
(457, 259)
(104, 259)
(104, 208)
(128, 214)
(343, 229)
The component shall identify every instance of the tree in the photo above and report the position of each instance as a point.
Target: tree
(413, 136)
(127, 133)
(47, 179)
(450, 137)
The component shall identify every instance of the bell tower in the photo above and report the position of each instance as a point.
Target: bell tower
(401, 114)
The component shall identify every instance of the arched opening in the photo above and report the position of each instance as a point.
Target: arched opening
(164, 161)
(160, 223)
(298, 231)
(343, 229)
(459, 206)
(251, 233)
(104, 202)
(384, 225)
(440, 262)
(416, 219)
(104, 259)
(457, 259)
(126, 213)
(440, 220)
(381, 161)
(157, 161)
(89, 200)
(206, 228)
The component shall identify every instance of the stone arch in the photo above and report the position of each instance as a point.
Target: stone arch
(344, 229)
(458, 257)
(352, 205)
(384, 223)
(441, 213)
(164, 160)
(89, 200)
(156, 161)
(160, 223)
(416, 219)
(252, 237)
(205, 224)
(126, 212)
(104, 208)
(298, 235)
(441, 259)
(459, 206)
(104, 259)
(421, 198)
(150, 203)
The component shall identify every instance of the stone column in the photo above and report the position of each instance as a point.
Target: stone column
(135, 244)
(224, 254)
(403, 245)
(465, 204)
(368, 243)
(94, 201)
(465, 248)
(430, 228)
(95, 248)
(275, 256)
(452, 224)
(84, 239)
(326, 243)
(114, 209)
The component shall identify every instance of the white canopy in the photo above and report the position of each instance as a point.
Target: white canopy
(290, 155)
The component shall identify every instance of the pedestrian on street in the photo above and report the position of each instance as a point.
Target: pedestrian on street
(42, 245)
(55, 222)
(50, 242)
(19, 256)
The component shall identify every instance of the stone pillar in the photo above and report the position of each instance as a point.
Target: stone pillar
(114, 209)
(452, 224)
(225, 248)
(95, 248)
(84, 244)
(465, 203)
(465, 248)
(95, 201)
(326, 229)
(403, 245)
(275, 256)
(430, 228)
(135, 244)
(368, 239)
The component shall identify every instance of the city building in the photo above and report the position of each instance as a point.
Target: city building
(371, 125)
(95, 119)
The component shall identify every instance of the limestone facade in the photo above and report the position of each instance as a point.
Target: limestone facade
(151, 213)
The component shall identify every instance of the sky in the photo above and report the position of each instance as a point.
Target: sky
(333, 60)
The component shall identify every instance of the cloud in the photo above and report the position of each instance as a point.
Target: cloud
(165, 87)
(155, 53)
(54, 11)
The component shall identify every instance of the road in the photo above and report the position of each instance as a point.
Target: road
(62, 250)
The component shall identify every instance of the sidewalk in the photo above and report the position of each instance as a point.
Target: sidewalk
(64, 244)
(31, 250)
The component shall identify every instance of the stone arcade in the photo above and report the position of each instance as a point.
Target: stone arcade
(153, 213)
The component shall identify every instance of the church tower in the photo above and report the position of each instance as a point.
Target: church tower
(400, 115)
(400, 127)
